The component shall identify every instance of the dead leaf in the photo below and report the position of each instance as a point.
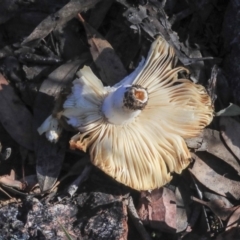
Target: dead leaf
(57, 19)
(230, 131)
(14, 115)
(232, 229)
(218, 207)
(110, 66)
(8, 10)
(182, 218)
(157, 23)
(158, 209)
(211, 142)
(230, 111)
(49, 156)
(99, 13)
(213, 181)
(10, 181)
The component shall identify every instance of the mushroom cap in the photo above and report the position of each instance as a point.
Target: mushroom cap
(142, 153)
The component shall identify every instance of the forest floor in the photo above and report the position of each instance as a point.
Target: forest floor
(47, 190)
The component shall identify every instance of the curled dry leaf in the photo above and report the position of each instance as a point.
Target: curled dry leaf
(109, 64)
(9, 182)
(230, 130)
(158, 209)
(14, 115)
(213, 181)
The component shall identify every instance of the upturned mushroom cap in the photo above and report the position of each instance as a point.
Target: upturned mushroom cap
(139, 147)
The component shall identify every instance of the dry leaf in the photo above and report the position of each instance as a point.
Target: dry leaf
(110, 66)
(213, 181)
(156, 22)
(210, 141)
(50, 156)
(230, 111)
(57, 19)
(10, 181)
(14, 115)
(182, 218)
(232, 229)
(218, 207)
(99, 13)
(230, 130)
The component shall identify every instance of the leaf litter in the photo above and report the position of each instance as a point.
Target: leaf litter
(111, 38)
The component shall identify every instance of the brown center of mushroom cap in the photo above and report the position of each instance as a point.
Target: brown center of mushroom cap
(135, 97)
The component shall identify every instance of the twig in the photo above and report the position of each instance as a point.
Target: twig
(203, 207)
(5, 193)
(84, 175)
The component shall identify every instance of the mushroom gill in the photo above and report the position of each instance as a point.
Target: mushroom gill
(135, 130)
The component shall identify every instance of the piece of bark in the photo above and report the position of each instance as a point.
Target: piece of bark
(136, 220)
(158, 209)
(101, 216)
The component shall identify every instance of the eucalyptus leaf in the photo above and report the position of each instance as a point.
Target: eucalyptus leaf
(49, 156)
(15, 116)
(230, 111)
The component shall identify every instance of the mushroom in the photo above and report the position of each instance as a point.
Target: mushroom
(135, 130)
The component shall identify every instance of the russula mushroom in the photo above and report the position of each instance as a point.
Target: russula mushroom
(135, 130)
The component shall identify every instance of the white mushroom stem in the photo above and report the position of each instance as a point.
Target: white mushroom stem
(124, 104)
